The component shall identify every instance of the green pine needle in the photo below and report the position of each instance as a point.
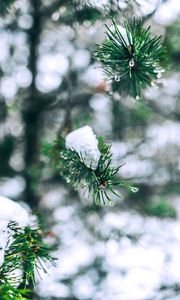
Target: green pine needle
(8, 292)
(134, 63)
(101, 183)
(26, 253)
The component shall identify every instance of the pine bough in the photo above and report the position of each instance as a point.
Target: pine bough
(22, 251)
(131, 57)
(86, 163)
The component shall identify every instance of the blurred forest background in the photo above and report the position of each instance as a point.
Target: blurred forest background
(50, 83)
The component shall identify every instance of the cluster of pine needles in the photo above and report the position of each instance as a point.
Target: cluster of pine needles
(26, 255)
(133, 62)
(102, 183)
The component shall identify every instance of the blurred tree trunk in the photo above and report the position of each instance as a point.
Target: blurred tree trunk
(31, 113)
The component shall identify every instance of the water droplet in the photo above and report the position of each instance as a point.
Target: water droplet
(134, 189)
(132, 63)
(117, 77)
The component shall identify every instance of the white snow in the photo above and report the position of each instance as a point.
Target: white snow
(84, 142)
(10, 211)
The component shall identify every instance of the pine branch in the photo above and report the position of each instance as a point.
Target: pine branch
(101, 182)
(131, 59)
(26, 253)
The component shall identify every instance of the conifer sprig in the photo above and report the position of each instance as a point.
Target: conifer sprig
(133, 59)
(101, 183)
(27, 253)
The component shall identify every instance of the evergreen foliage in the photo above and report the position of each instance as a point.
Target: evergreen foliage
(133, 62)
(26, 254)
(101, 183)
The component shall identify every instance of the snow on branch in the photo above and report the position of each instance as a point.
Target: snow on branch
(22, 250)
(85, 162)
